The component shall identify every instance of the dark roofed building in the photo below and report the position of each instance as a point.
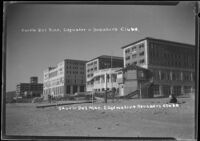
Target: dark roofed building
(172, 64)
(32, 89)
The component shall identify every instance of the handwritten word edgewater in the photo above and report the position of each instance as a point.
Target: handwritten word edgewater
(70, 30)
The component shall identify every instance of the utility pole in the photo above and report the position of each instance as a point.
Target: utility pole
(140, 91)
(106, 89)
(92, 96)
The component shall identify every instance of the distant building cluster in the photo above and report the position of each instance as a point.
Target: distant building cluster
(32, 89)
(151, 67)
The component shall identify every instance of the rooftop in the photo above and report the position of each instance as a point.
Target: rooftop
(29, 84)
(160, 40)
(132, 67)
(106, 57)
(75, 60)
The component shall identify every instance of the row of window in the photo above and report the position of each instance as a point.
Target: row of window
(90, 75)
(133, 49)
(74, 67)
(54, 91)
(110, 78)
(57, 81)
(134, 55)
(140, 62)
(92, 69)
(177, 76)
(166, 89)
(92, 63)
(171, 56)
(74, 72)
(30, 89)
(75, 63)
(170, 62)
(53, 74)
(75, 81)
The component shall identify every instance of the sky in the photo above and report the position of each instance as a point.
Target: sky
(30, 53)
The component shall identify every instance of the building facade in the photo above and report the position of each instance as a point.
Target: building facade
(104, 79)
(100, 63)
(67, 78)
(34, 79)
(172, 64)
(135, 81)
(32, 89)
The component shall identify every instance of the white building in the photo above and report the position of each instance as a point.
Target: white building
(54, 81)
(67, 78)
(105, 78)
(100, 63)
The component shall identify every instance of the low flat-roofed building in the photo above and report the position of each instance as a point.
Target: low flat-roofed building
(104, 79)
(100, 63)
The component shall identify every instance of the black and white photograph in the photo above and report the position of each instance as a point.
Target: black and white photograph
(100, 70)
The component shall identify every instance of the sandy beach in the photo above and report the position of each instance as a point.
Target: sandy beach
(135, 121)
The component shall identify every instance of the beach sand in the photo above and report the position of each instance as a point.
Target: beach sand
(178, 122)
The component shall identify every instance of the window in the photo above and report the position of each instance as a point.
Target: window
(176, 76)
(163, 76)
(141, 53)
(141, 74)
(133, 49)
(134, 55)
(187, 76)
(127, 50)
(156, 74)
(141, 46)
(134, 63)
(128, 58)
(156, 89)
(142, 61)
(167, 75)
(193, 76)
(114, 77)
(187, 89)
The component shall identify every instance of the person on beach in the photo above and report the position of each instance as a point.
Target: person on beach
(172, 98)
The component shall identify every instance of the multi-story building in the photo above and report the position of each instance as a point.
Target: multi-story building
(32, 89)
(68, 77)
(172, 63)
(99, 63)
